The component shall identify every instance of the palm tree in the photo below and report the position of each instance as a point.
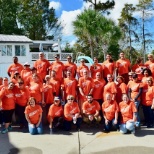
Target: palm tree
(93, 29)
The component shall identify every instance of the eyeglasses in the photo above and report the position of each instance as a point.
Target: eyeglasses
(20, 83)
(70, 99)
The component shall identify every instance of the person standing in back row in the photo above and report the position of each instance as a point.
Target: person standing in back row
(15, 67)
(42, 66)
(123, 67)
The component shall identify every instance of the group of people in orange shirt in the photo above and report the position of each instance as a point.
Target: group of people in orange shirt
(67, 94)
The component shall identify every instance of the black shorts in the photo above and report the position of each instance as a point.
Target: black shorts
(7, 114)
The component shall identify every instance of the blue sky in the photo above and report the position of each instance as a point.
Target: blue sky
(67, 10)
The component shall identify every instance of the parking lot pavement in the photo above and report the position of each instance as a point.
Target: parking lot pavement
(87, 141)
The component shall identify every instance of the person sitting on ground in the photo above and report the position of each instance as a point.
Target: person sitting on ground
(128, 114)
(110, 111)
(33, 114)
(71, 114)
(55, 115)
(91, 110)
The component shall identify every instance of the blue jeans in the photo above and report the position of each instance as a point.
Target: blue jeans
(35, 130)
(127, 126)
(137, 103)
(111, 125)
(68, 124)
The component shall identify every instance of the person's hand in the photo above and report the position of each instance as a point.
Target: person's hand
(90, 117)
(115, 121)
(37, 124)
(106, 121)
(32, 125)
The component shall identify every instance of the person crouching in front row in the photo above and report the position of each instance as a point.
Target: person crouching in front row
(33, 114)
(71, 114)
(91, 110)
(55, 115)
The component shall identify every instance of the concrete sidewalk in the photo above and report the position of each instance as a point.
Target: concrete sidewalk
(87, 141)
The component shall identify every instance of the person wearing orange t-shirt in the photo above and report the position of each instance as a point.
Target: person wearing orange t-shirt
(110, 87)
(123, 67)
(70, 66)
(121, 88)
(55, 115)
(90, 109)
(69, 86)
(81, 68)
(134, 93)
(26, 72)
(110, 111)
(48, 93)
(128, 113)
(96, 67)
(33, 114)
(150, 64)
(86, 86)
(146, 74)
(99, 84)
(71, 114)
(55, 82)
(108, 67)
(148, 102)
(35, 89)
(22, 95)
(7, 104)
(58, 67)
(42, 65)
(14, 67)
(138, 68)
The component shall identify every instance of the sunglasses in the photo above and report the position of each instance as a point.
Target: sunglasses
(21, 83)
(70, 99)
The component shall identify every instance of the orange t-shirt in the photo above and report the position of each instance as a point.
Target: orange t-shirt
(58, 67)
(109, 109)
(70, 108)
(127, 110)
(30, 79)
(56, 84)
(110, 88)
(8, 99)
(22, 96)
(48, 91)
(15, 67)
(86, 85)
(98, 88)
(35, 90)
(91, 108)
(81, 68)
(137, 68)
(55, 111)
(42, 67)
(70, 87)
(108, 68)
(123, 66)
(33, 113)
(121, 89)
(25, 73)
(135, 89)
(147, 95)
(71, 67)
(94, 69)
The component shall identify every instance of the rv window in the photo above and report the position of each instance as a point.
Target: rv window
(20, 50)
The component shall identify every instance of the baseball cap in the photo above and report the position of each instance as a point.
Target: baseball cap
(69, 56)
(56, 98)
(16, 72)
(26, 64)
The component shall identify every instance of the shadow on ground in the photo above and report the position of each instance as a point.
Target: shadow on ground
(128, 150)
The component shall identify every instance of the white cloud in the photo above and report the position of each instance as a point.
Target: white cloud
(55, 5)
(66, 19)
